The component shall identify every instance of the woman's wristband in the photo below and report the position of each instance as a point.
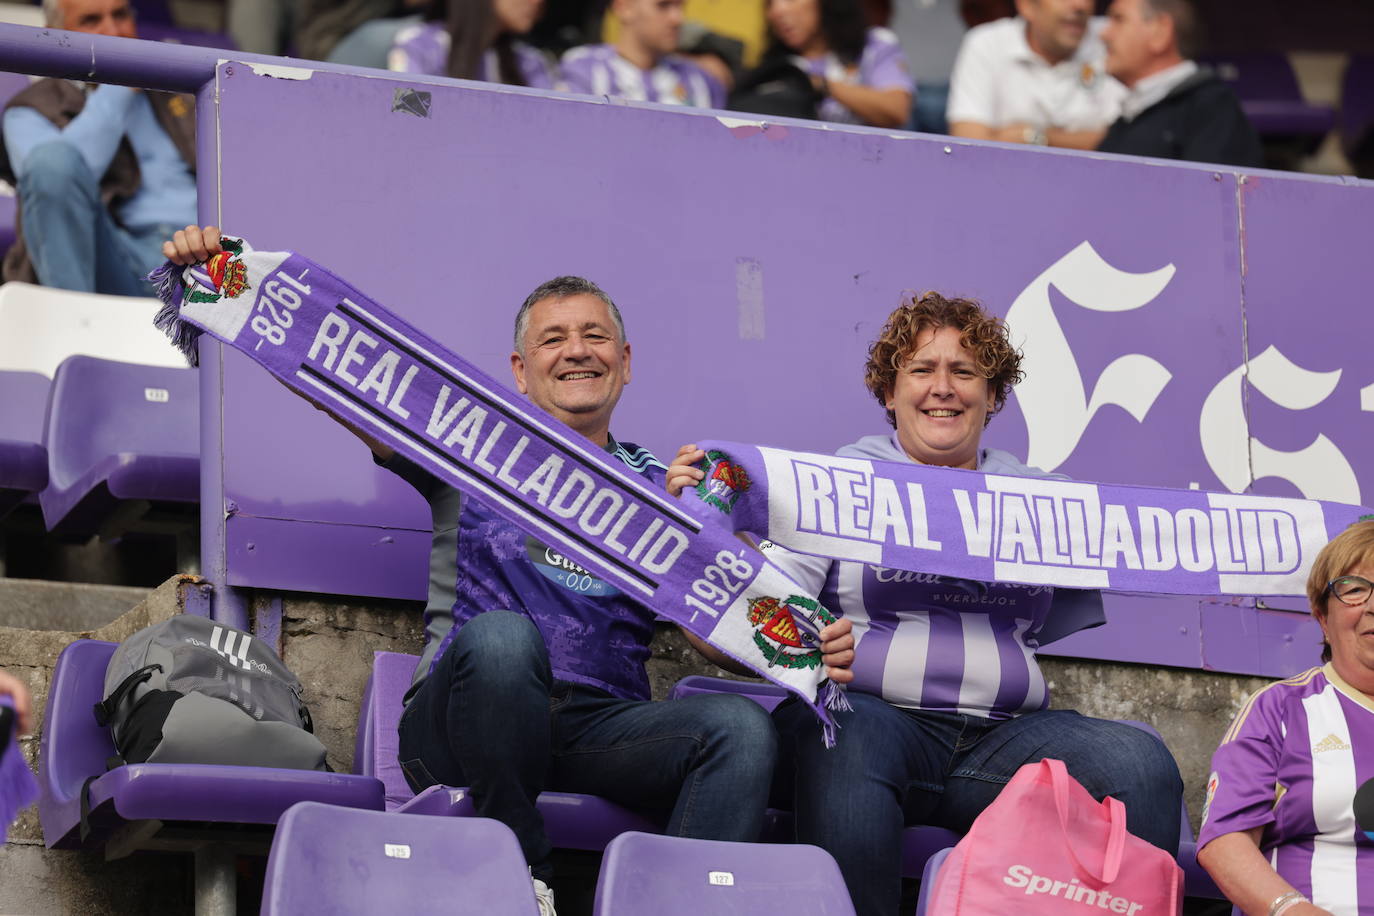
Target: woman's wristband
(1285, 902)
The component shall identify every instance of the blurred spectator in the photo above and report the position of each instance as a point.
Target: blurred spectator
(475, 40)
(858, 74)
(262, 26)
(1037, 78)
(721, 56)
(929, 32)
(357, 32)
(642, 65)
(103, 173)
(1173, 109)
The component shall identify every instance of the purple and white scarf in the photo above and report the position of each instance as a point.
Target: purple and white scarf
(18, 789)
(324, 338)
(1028, 530)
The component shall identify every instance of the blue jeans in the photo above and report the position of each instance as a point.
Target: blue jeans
(892, 767)
(73, 241)
(491, 717)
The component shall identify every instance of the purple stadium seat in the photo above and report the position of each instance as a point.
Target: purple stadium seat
(158, 805)
(23, 459)
(1269, 92)
(928, 879)
(340, 861)
(766, 695)
(118, 433)
(673, 876)
(573, 821)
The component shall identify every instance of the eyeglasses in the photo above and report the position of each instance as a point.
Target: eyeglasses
(1351, 590)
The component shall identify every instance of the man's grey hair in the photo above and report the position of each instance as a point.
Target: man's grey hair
(562, 288)
(52, 13)
(1187, 29)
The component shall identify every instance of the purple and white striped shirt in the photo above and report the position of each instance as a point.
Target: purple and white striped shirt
(599, 70)
(1291, 763)
(932, 642)
(881, 66)
(423, 48)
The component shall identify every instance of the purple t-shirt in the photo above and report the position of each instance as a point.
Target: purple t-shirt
(599, 70)
(1291, 763)
(423, 48)
(881, 66)
(480, 562)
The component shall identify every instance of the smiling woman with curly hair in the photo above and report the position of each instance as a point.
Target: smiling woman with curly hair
(948, 698)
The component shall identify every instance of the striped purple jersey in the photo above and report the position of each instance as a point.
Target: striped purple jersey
(1291, 763)
(599, 70)
(932, 642)
(423, 48)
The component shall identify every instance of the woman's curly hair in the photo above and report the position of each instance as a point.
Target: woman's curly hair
(983, 335)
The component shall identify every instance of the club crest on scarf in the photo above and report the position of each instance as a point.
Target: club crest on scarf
(225, 274)
(725, 482)
(787, 632)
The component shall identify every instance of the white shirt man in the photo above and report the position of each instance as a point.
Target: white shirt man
(1037, 78)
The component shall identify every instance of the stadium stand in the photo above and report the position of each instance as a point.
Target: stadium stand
(328, 859)
(162, 806)
(23, 459)
(673, 876)
(573, 821)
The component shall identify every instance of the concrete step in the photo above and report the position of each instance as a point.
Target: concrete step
(37, 604)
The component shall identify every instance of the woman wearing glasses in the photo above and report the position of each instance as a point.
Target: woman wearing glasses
(1279, 833)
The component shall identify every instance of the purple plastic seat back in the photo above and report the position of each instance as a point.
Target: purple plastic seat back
(928, 875)
(331, 860)
(23, 459)
(73, 747)
(118, 431)
(673, 876)
(377, 744)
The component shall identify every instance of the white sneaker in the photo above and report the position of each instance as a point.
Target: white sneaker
(543, 895)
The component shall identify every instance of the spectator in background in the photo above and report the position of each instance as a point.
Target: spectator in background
(475, 40)
(103, 173)
(859, 73)
(1173, 109)
(262, 26)
(1036, 78)
(641, 65)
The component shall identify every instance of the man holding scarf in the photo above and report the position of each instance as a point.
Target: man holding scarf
(532, 676)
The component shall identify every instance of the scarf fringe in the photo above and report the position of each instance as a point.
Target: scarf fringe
(18, 789)
(833, 697)
(168, 285)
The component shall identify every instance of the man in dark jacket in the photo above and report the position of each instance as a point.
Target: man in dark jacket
(1174, 109)
(104, 173)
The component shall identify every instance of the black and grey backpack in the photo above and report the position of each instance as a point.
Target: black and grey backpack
(190, 690)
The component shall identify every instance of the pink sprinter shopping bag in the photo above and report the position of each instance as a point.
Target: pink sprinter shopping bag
(1046, 847)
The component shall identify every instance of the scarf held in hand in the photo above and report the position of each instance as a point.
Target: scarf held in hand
(327, 340)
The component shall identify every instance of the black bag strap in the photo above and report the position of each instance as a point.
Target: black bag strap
(105, 709)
